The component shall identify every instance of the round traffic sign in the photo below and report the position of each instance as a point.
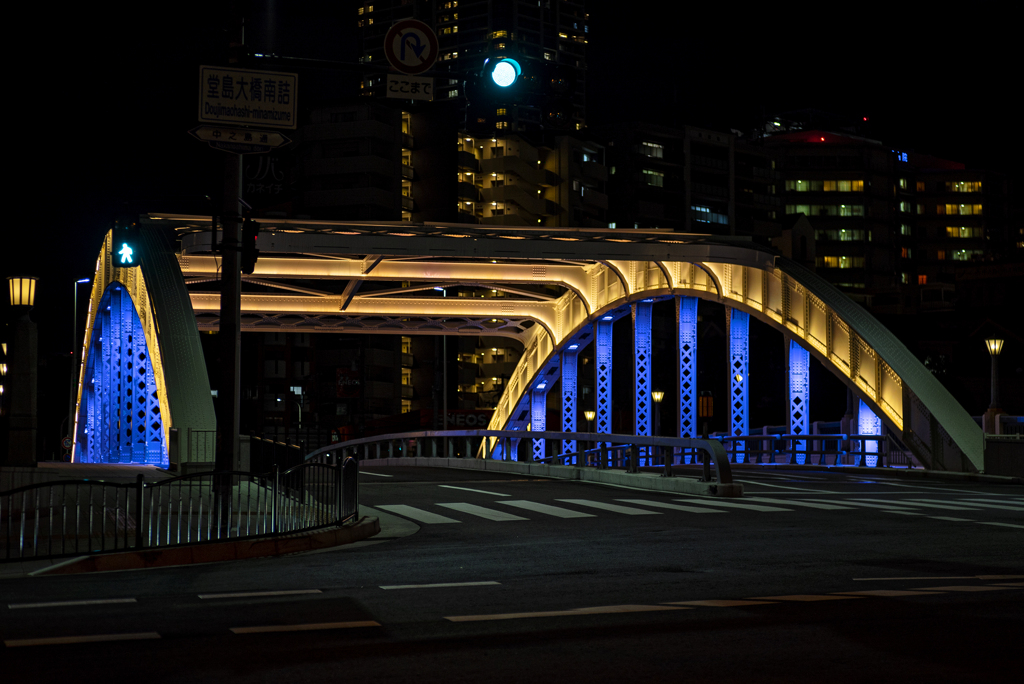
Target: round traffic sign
(411, 46)
(66, 442)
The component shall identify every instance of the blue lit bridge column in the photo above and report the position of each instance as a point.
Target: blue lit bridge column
(642, 366)
(799, 362)
(569, 358)
(603, 371)
(686, 316)
(539, 410)
(739, 361)
(868, 424)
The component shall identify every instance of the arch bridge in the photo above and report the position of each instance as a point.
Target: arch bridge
(322, 276)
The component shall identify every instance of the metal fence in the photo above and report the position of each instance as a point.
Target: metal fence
(68, 518)
(814, 449)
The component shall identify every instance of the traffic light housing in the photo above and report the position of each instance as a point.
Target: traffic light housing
(126, 246)
(250, 243)
(510, 80)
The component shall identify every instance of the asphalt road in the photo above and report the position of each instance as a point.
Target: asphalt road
(483, 577)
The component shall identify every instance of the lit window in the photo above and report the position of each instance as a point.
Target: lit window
(501, 111)
(654, 178)
(903, 183)
(964, 232)
(501, 125)
(922, 280)
(649, 149)
(920, 188)
(961, 209)
(906, 253)
(839, 262)
(940, 255)
(967, 254)
(963, 186)
(904, 229)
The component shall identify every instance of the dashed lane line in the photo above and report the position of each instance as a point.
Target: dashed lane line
(417, 514)
(597, 610)
(305, 628)
(482, 512)
(61, 604)
(86, 639)
(478, 491)
(254, 594)
(439, 585)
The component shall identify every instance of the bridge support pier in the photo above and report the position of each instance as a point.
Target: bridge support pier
(603, 372)
(642, 372)
(868, 424)
(739, 361)
(686, 317)
(798, 360)
(569, 370)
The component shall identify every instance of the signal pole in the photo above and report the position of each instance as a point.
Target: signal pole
(230, 335)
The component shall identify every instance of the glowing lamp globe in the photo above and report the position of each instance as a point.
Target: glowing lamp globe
(505, 72)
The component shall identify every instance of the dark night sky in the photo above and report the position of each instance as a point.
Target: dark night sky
(106, 109)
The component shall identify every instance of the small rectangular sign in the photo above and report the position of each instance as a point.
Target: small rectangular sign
(251, 98)
(410, 87)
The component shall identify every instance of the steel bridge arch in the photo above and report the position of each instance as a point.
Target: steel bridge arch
(847, 340)
(160, 304)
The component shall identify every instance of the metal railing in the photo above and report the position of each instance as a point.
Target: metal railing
(69, 518)
(606, 451)
(818, 449)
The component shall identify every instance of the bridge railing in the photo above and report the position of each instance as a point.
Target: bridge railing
(606, 450)
(70, 518)
(837, 449)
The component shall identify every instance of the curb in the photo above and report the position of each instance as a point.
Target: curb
(892, 472)
(217, 552)
(650, 481)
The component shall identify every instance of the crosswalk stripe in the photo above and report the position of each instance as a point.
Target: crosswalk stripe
(982, 505)
(626, 510)
(1010, 505)
(1002, 524)
(864, 504)
(915, 504)
(805, 504)
(674, 507)
(731, 504)
(478, 491)
(547, 509)
(417, 514)
(481, 512)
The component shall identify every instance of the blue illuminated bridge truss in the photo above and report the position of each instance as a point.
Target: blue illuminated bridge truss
(603, 276)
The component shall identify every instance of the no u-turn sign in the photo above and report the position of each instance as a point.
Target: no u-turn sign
(411, 46)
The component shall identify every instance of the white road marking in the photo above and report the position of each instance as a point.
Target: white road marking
(438, 584)
(899, 512)
(803, 597)
(417, 514)
(888, 592)
(56, 604)
(917, 504)
(251, 594)
(1001, 524)
(547, 509)
(673, 507)
(731, 504)
(598, 610)
(966, 587)
(799, 489)
(367, 472)
(1008, 505)
(305, 628)
(946, 517)
(805, 504)
(481, 512)
(888, 506)
(626, 510)
(478, 491)
(92, 638)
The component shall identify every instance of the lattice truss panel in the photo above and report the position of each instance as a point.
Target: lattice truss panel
(642, 312)
(799, 395)
(687, 319)
(119, 414)
(603, 363)
(868, 424)
(569, 375)
(739, 360)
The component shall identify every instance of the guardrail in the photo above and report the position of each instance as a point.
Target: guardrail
(69, 518)
(842, 449)
(607, 450)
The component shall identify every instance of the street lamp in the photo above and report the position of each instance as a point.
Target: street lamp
(589, 415)
(994, 346)
(22, 370)
(657, 396)
(74, 360)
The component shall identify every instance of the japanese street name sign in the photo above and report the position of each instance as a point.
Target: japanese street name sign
(411, 46)
(240, 140)
(248, 98)
(410, 87)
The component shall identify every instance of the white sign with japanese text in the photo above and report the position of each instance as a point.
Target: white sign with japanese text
(410, 87)
(251, 98)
